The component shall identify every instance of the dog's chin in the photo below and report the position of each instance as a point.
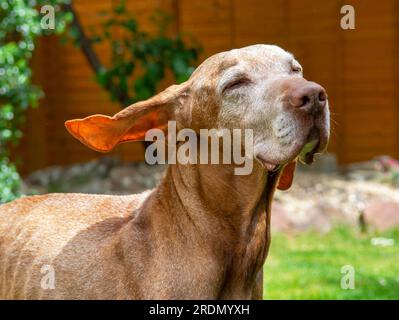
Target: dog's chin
(269, 166)
(310, 148)
(314, 143)
(308, 152)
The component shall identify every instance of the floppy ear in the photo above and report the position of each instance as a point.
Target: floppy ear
(103, 133)
(287, 176)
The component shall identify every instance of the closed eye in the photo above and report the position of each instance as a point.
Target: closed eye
(235, 84)
(295, 67)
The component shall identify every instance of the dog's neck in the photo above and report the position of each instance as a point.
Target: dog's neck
(221, 212)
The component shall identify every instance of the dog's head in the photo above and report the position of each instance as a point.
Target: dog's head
(260, 87)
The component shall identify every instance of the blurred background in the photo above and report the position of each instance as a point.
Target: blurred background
(101, 56)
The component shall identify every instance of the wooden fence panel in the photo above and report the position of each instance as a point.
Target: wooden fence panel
(359, 68)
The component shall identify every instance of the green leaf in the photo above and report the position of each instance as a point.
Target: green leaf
(120, 8)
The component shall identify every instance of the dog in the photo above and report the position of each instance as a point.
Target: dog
(203, 232)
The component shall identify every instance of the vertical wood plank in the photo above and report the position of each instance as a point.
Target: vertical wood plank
(359, 69)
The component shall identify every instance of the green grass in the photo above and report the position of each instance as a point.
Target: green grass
(308, 266)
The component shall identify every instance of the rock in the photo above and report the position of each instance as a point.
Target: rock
(125, 179)
(319, 221)
(94, 186)
(280, 220)
(135, 177)
(322, 216)
(324, 163)
(316, 214)
(104, 175)
(381, 215)
(316, 218)
(381, 169)
(319, 198)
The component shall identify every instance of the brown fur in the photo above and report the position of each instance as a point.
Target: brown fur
(203, 233)
(194, 237)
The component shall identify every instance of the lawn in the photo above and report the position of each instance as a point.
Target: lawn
(308, 266)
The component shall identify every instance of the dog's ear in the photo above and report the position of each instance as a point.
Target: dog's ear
(287, 176)
(102, 133)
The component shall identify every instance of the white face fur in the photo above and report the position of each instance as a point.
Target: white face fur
(251, 89)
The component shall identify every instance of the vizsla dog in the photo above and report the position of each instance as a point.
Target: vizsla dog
(203, 232)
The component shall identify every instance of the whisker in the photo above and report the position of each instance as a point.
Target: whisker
(334, 122)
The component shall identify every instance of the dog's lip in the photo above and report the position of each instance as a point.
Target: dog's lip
(269, 166)
(311, 147)
(309, 150)
(315, 143)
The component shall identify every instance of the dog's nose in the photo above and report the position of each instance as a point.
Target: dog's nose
(310, 97)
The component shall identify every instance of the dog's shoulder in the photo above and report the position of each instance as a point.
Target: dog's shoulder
(66, 213)
(53, 202)
(61, 231)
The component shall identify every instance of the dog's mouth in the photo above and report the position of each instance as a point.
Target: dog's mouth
(311, 147)
(269, 166)
(306, 155)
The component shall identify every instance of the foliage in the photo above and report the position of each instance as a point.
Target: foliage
(9, 181)
(20, 26)
(139, 60)
(389, 168)
(308, 266)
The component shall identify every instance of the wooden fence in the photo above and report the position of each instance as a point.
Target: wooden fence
(359, 68)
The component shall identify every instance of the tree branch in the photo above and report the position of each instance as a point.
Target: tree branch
(88, 51)
(84, 41)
